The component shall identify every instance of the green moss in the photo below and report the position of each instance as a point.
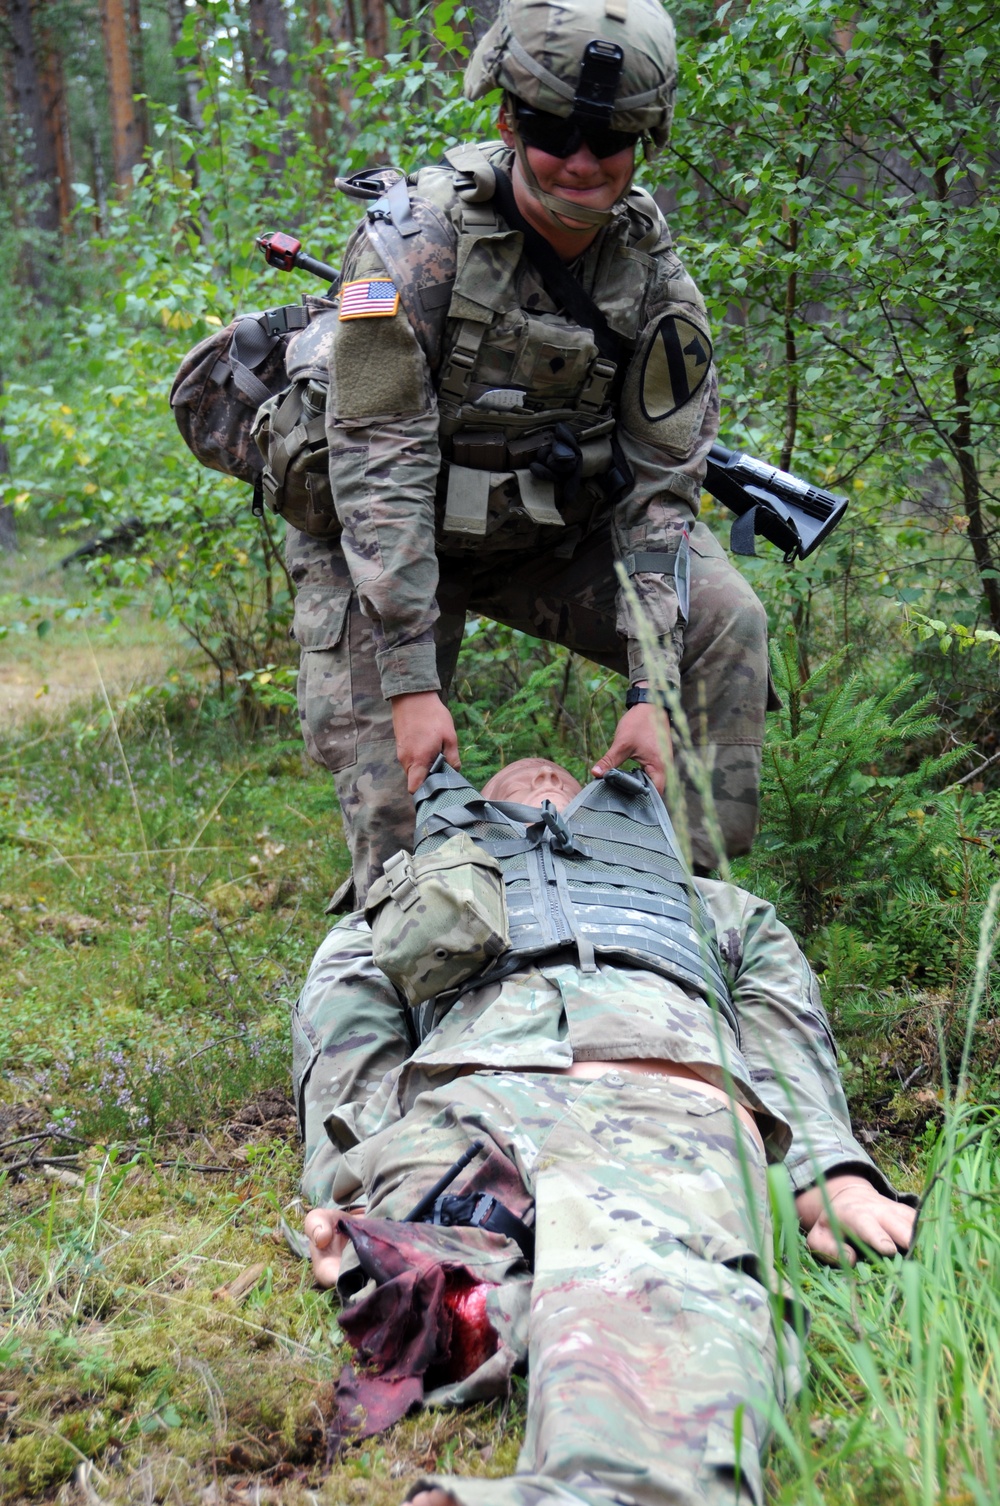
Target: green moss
(34, 1463)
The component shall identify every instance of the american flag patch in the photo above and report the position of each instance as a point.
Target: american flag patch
(368, 300)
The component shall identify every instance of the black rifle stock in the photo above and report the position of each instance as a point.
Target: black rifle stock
(789, 512)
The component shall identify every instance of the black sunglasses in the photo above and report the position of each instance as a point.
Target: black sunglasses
(561, 136)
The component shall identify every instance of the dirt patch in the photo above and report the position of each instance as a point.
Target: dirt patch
(270, 1114)
(51, 677)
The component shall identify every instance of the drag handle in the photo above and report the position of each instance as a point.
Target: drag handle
(286, 253)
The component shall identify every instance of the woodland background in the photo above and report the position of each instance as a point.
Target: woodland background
(166, 850)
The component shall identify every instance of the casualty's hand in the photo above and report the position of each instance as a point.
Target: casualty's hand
(859, 1213)
(643, 734)
(424, 728)
(326, 1244)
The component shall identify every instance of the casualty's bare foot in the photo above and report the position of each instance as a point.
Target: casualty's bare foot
(326, 1244)
(432, 1498)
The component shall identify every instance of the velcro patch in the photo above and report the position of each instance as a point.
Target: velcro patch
(677, 362)
(371, 298)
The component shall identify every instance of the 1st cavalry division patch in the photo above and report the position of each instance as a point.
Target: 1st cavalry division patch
(677, 362)
(367, 299)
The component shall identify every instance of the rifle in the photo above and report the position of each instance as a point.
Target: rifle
(778, 506)
(773, 503)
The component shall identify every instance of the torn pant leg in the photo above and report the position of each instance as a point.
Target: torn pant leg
(397, 1168)
(654, 1365)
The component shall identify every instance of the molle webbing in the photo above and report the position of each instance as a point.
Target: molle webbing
(603, 876)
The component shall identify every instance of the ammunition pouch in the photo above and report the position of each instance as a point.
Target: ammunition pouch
(439, 919)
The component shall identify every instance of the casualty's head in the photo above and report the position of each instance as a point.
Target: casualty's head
(583, 81)
(529, 781)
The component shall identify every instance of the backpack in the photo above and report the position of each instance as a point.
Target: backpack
(250, 400)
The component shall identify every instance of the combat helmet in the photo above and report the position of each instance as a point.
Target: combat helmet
(610, 62)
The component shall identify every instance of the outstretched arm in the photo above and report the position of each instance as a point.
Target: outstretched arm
(847, 1210)
(792, 1057)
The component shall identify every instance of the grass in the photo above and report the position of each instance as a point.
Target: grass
(162, 886)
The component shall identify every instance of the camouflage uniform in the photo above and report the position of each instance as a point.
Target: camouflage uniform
(651, 1342)
(434, 529)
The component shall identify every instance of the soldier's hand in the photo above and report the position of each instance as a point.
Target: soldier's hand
(424, 728)
(853, 1210)
(643, 734)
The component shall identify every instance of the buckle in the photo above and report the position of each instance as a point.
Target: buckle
(402, 885)
(281, 321)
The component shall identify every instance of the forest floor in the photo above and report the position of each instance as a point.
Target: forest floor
(163, 878)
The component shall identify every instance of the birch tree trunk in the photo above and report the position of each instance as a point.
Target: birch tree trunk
(126, 142)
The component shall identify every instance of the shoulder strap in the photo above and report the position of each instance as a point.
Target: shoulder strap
(418, 248)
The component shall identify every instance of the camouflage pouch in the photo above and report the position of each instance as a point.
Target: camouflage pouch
(437, 919)
(290, 433)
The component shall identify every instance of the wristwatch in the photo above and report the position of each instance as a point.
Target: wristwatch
(641, 695)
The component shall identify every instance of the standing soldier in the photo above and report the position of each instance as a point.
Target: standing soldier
(521, 394)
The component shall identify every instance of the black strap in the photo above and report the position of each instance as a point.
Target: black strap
(558, 280)
(481, 1210)
(742, 532)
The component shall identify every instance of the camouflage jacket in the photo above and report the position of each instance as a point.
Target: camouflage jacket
(438, 396)
(358, 1066)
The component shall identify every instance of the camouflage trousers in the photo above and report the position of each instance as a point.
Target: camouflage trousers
(654, 1362)
(347, 724)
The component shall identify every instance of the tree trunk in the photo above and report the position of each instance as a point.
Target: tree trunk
(39, 146)
(980, 536)
(138, 61)
(53, 89)
(126, 144)
(376, 28)
(99, 184)
(320, 123)
(8, 529)
(343, 20)
(190, 105)
(272, 71)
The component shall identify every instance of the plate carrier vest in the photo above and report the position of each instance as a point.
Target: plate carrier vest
(604, 876)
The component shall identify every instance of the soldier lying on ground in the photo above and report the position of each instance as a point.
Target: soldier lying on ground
(628, 1086)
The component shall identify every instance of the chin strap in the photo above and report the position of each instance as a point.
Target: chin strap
(578, 219)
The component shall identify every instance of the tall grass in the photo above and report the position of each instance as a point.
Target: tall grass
(903, 1401)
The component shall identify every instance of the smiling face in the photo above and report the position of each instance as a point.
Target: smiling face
(529, 781)
(581, 178)
(598, 182)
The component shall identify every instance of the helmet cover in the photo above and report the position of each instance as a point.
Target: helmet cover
(535, 51)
